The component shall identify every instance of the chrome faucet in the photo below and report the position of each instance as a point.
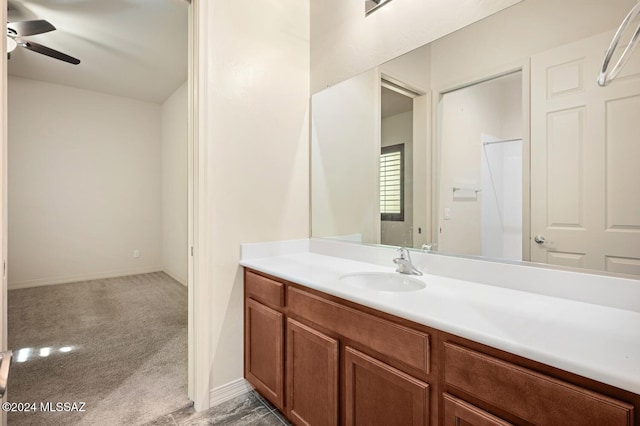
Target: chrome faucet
(404, 263)
(429, 247)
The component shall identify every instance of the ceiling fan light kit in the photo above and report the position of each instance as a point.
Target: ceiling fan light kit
(17, 30)
(11, 44)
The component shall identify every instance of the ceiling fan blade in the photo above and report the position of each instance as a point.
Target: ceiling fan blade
(27, 28)
(47, 51)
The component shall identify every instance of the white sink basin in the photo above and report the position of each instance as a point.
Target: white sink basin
(383, 281)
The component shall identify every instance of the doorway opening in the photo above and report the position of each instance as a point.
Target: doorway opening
(396, 167)
(136, 252)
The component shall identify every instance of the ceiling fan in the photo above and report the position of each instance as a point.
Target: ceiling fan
(17, 30)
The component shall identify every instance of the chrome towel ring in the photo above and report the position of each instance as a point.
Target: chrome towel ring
(606, 75)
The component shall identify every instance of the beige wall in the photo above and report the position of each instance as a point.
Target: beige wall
(507, 39)
(345, 43)
(175, 184)
(256, 147)
(84, 184)
(468, 115)
(413, 70)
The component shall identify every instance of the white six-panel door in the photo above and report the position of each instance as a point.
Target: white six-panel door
(585, 160)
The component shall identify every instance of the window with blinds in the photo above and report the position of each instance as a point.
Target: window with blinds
(392, 183)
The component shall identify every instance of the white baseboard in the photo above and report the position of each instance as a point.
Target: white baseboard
(84, 277)
(229, 391)
(175, 277)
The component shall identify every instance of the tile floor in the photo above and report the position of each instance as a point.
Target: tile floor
(249, 409)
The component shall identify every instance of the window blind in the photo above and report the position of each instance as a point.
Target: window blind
(392, 183)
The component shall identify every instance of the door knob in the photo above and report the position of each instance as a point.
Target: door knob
(539, 239)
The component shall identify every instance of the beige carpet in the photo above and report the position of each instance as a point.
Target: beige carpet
(119, 345)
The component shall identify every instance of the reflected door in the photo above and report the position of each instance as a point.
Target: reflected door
(585, 202)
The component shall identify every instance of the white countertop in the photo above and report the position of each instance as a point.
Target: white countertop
(598, 342)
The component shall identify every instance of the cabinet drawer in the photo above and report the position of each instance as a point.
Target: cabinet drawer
(531, 396)
(401, 343)
(264, 290)
(458, 412)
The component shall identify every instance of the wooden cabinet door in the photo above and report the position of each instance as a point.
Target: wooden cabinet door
(263, 352)
(312, 376)
(529, 395)
(460, 413)
(378, 394)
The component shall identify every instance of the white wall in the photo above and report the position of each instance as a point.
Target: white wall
(255, 145)
(84, 184)
(395, 130)
(175, 184)
(501, 171)
(512, 170)
(345, 43)
(345, 154)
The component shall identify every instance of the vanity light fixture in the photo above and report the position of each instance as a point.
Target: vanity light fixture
(372, 5)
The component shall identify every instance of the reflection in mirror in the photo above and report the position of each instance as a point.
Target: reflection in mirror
(481, 169)
(396, 169)
(373, 5)
(539, 164)
(403, 211)
(345, 151)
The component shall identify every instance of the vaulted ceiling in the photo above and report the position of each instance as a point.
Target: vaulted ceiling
(131, 48)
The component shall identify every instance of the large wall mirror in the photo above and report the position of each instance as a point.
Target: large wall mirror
(494, 141)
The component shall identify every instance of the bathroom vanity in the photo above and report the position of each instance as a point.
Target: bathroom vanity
(454, 353)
